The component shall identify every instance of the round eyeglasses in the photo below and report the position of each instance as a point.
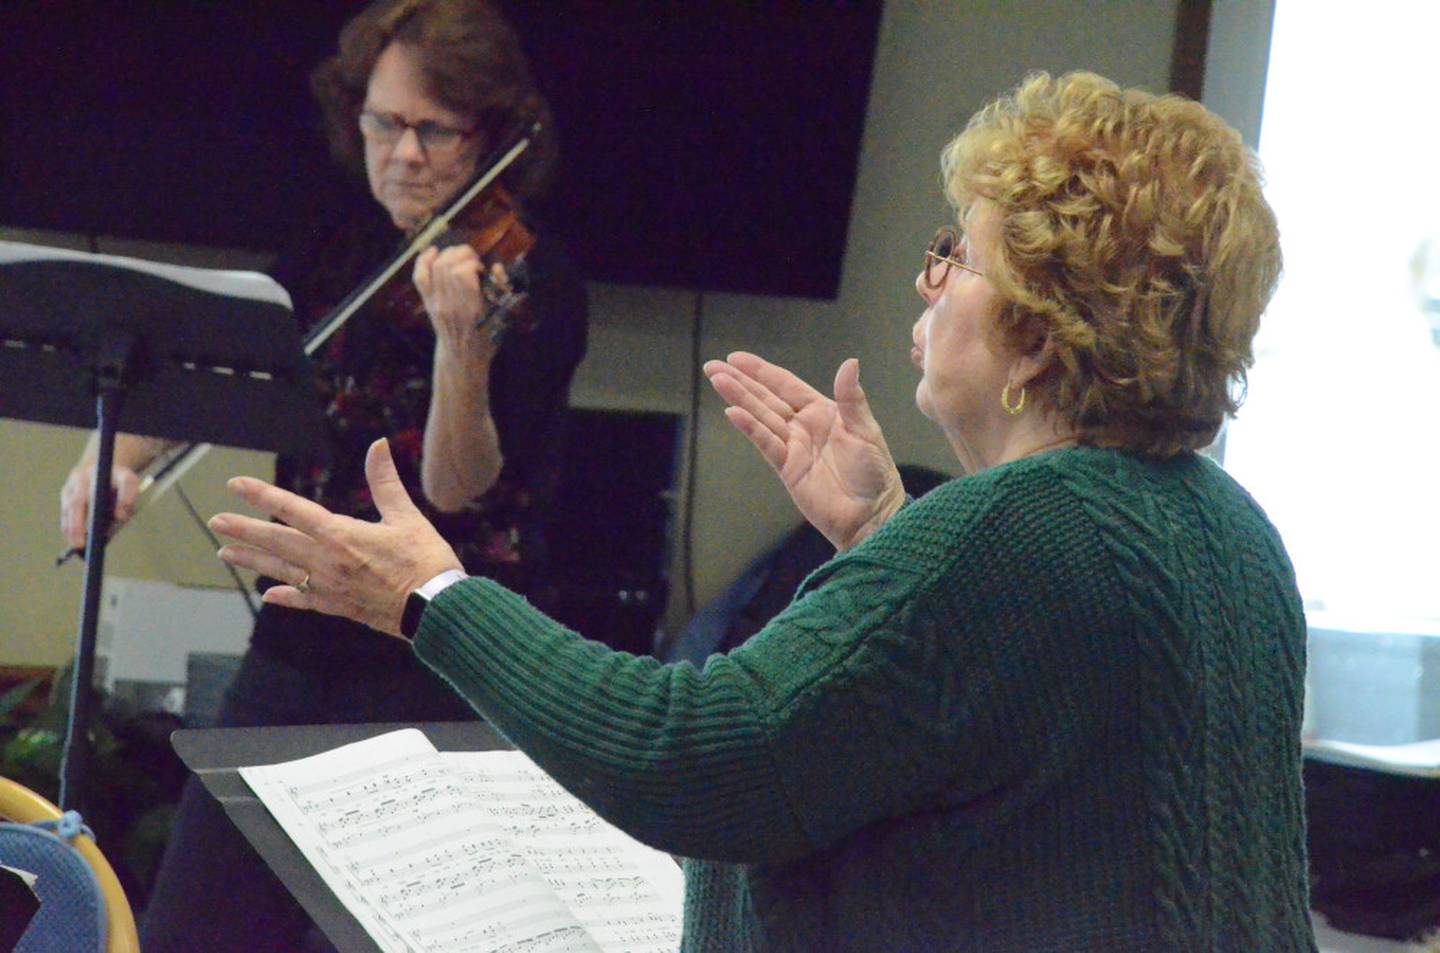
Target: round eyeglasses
(388, 128)
(941, 255)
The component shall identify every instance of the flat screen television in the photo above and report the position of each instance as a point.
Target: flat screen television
(706, 144)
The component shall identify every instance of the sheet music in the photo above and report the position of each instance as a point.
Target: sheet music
(627, 896)
(235, 284)
(477, 852)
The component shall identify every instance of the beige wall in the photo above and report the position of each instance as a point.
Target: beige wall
(936, 63)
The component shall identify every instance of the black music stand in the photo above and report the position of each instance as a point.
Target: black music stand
(180, 353)
(217, 754)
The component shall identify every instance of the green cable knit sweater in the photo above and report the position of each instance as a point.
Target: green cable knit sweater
(1051, 707)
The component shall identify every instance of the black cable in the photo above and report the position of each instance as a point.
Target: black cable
(691, 455)
(243, 589)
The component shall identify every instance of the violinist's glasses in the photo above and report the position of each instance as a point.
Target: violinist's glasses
(388, 128)
(942, 252)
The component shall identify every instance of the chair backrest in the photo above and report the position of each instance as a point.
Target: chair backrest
(78, 880)
(71, 918)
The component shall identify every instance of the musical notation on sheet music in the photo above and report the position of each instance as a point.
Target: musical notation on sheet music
(475, 851)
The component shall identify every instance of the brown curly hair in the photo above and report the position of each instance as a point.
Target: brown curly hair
(472, 65)
(1133, 232)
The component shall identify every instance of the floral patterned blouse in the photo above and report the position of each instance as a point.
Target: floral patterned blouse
(374, 379)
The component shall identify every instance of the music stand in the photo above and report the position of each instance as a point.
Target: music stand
(180, 353)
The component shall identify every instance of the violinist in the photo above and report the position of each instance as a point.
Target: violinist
(417, 95)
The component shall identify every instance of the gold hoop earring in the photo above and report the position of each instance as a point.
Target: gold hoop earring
(1005, 401)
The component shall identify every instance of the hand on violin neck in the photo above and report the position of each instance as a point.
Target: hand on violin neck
(450, 284)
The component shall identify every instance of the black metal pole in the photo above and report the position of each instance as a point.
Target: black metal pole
(76, 758)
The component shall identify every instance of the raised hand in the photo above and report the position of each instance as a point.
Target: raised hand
(335, 564)
(830, 454)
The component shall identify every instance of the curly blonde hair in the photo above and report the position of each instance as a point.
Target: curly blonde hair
(1133, 232)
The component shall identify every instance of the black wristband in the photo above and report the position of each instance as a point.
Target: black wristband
(417, 602)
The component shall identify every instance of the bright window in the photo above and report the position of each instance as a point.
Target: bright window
(1339, 438)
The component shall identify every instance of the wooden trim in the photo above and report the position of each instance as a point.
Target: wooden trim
(1192, 41)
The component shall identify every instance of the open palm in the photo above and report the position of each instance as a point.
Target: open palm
(830, 454)
(336, 564)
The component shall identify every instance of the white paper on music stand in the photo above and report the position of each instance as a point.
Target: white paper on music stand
(475, 851)
(234, 284)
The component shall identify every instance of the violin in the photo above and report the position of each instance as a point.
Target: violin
(491, 225)
(483, 216)
(494, 230)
